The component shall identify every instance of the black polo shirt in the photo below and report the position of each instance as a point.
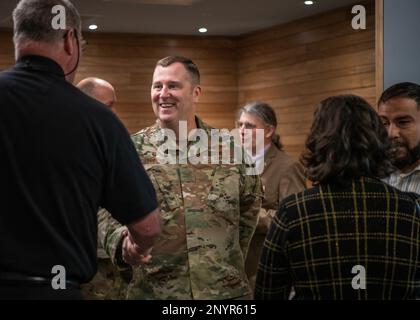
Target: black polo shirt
(62, 155)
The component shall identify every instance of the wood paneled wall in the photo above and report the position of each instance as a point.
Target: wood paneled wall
(128, 61)
(291, 66)
(296, 65)
(7, 50)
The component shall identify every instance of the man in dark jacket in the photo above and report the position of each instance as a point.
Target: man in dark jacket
(63, 155)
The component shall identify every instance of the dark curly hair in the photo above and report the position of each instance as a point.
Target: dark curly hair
(347, 140)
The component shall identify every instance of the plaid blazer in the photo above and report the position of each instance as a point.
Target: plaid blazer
(360, 241)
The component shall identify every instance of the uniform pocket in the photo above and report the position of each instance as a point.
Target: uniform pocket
(223, 196)
(166, 182)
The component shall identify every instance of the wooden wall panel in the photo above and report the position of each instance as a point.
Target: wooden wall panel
(127, 61)
(291, 66)
(7, 58)
(296, 65)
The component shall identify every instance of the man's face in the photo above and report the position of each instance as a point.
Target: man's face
(247, 125)
(249, 137)
(173, 94)
(401, 117)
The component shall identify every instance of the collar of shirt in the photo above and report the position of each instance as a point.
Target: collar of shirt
(40, 63)
(181, 149)
(259, 157)
(171, 141)
(403, 175)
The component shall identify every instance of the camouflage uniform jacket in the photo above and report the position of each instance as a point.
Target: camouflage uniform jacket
(209, 213)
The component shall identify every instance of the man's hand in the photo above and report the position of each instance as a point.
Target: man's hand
(131, 252)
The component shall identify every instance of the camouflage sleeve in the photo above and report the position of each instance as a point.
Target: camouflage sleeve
(110, 237)
(250, 205)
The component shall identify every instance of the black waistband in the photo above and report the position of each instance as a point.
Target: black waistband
(13, 278)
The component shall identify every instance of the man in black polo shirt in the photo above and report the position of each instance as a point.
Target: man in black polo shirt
(62, 155)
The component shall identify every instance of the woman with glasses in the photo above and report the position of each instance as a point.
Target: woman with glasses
(280, 175)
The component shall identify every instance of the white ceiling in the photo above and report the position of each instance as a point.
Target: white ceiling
(184, 17)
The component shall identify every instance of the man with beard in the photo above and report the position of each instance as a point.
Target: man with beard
(399, 109)
(62, 156)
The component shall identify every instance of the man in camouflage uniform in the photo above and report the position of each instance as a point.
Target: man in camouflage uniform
(209, 211)
(108, 282)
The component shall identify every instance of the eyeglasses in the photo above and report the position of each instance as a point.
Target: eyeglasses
(247, 125)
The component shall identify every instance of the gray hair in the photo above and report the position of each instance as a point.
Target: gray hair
(32, 20)
(266, 114)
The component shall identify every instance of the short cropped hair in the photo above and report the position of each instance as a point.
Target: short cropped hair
(401, 90)
(32, 20)
(347, 140)
(187, 63)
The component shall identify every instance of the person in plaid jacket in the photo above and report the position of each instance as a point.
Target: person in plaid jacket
(351, 236)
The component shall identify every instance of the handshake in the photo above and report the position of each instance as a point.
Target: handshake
(139, 237)
(133, 254)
